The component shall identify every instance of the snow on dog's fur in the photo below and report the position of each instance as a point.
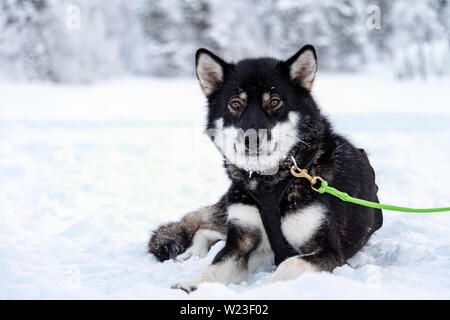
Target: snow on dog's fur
(260, 114)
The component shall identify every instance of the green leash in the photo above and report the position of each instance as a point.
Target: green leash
(324, 188)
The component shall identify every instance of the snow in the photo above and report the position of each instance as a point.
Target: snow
(87, 172)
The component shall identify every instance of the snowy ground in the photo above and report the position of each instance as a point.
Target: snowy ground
(87, 172)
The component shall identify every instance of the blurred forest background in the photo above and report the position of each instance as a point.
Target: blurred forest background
(81, 41)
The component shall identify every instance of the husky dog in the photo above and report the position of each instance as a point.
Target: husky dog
(271, 99)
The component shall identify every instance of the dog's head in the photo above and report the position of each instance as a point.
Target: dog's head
(256, 106)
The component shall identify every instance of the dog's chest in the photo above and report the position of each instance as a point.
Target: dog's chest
(300, 222)
(300, 226)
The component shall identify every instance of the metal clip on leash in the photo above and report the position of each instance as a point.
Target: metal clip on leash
(303, 173)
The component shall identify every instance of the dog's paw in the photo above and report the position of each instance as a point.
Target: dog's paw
(193, 251)
(290, 269)
(187, 286)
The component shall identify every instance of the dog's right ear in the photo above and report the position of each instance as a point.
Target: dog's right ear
(210, 70)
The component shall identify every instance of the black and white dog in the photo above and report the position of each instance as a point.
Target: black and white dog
(262, 118)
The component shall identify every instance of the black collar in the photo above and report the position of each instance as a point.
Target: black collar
(269, 209)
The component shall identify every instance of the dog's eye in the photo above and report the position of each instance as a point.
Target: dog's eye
(274, 104)
(235, 105)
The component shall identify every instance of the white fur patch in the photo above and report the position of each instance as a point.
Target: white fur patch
(219, 124)
(201, 243)
(290, 269)
(245, 215)
(300, 226)
(284, 137)
(209, 72)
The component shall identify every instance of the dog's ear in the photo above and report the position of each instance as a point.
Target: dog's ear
(302, 66)
(210, 70)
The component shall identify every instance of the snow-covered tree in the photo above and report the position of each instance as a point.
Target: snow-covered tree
(419, 40)
(82, 40)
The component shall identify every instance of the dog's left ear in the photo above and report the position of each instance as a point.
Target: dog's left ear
(302, 66)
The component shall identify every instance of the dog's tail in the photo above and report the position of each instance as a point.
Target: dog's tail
(172, 239)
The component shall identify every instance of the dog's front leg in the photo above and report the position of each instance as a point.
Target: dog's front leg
(246, 249)
(293, 267)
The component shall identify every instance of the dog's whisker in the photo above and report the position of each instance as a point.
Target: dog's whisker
(299, 140)
(304, 142)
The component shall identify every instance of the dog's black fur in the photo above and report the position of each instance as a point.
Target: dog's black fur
(346, 228)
